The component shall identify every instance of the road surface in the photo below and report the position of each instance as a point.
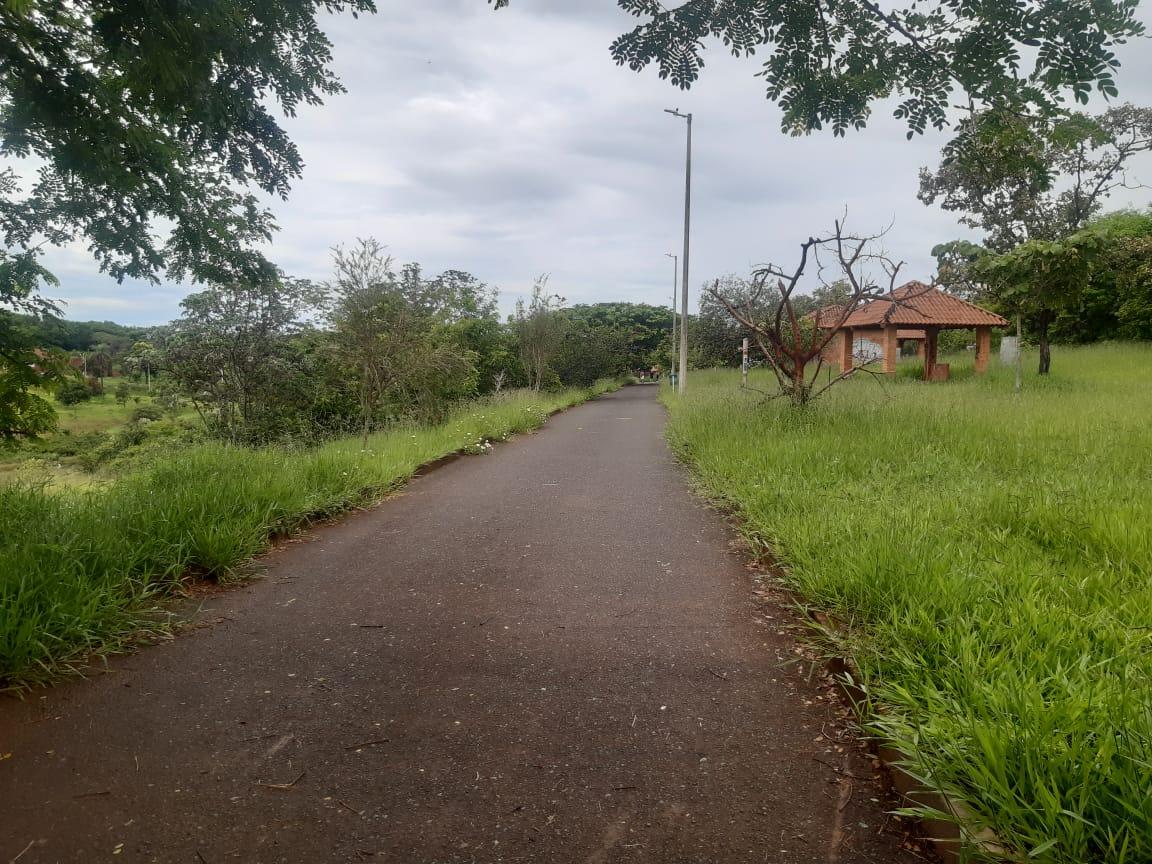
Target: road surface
(545, 654)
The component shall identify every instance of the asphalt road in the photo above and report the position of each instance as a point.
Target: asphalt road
(545, 654)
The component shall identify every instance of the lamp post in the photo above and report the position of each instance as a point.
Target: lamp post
(675, 112)
(675, 294)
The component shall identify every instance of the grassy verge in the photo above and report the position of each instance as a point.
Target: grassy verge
(991, 557)
(79, 571)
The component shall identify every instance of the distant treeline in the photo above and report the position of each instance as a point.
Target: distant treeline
(282, 359)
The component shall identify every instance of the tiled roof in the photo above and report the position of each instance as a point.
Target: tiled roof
(829, 316)
(919, 305)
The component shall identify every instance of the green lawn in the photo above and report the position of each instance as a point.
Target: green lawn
(63, 460)
(991, 558)
(99, 414)
(80, 569)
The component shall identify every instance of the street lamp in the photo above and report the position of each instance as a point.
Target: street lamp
(675, 293)
(675, 112)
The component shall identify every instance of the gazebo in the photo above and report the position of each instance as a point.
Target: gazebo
(913, 312)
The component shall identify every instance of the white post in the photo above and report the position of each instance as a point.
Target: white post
(1019, 359)
(744, 363)
(675, 294)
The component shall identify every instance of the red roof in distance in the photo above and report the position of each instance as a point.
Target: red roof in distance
(918, 305)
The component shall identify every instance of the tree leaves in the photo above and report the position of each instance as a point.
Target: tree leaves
(828, 61)
(146, 114)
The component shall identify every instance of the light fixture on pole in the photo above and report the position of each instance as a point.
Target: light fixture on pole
(675, 112)
(675, 294)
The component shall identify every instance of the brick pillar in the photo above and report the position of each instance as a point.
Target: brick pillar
(920, 347)
(931, 344)
(891, 350)
(844, 349)
(983, 348)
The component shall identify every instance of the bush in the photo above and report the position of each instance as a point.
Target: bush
(73, 391)
(123, 391)
(148, 412)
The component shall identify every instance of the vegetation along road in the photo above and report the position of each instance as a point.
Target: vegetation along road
(542, 654)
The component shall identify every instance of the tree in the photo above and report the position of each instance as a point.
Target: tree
(827, 63)
(637, 333)
(714, 336)
(140, 113)
(1026, 178)
(393, 341)
(1129, 265)
(587, 353)
(143, 359)
(231, 354)
(539, 331)
(955, 268)
(134, 116)
(24, 367)
(790, 343)
(1039, 279)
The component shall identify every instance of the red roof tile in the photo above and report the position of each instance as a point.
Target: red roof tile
(920, 305)
(829, 316)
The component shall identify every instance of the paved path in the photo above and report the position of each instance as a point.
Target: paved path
(544, 655)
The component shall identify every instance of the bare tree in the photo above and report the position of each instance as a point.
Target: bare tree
(791, 343)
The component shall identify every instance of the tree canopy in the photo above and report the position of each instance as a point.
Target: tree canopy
(144, 115)
(1035, 178)
(826, 63)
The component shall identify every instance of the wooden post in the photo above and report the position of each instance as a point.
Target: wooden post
(891, 349)
(844, 350)
(931, 345)
(983, 348)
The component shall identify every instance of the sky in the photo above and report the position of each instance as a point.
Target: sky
(509, 144)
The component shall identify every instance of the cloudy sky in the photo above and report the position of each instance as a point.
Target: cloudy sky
(509, 144)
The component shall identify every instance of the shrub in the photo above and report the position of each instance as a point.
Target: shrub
(123, 391)
(149, 412)
(73, 391)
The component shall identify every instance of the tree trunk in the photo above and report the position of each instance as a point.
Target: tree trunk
(801, 390)
(1045, 346)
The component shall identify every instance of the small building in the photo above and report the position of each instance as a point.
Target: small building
(913, 313)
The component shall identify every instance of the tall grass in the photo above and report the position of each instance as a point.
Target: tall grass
(78, 571)
(991, 558)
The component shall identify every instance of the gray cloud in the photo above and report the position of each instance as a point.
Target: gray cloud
(510, 144)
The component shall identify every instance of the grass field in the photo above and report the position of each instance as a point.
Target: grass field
(991, 559)
(80, 571)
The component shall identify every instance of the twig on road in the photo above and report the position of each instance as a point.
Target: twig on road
(375, 743)
(282, 786)
(349, 807)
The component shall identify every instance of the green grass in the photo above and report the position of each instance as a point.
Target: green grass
(80, 573)
(990, 558)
